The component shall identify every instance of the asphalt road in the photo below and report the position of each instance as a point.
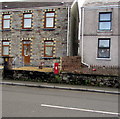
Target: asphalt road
(39, 102)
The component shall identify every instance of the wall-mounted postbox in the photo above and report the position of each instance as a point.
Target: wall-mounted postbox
(56, 69)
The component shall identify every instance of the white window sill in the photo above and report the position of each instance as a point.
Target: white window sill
(104, 31)
(106, 59)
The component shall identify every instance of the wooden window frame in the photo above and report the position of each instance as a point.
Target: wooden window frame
(5, 46)
(3, 19)
(100, 21)
(49, 17)
(48, 46)
(26, 18)
(103, 47)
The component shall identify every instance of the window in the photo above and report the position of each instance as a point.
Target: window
(103, 48)
(6, 21)
(5, 48)
(105, 21)
(27, 20)
(48, 49)
(49, 19)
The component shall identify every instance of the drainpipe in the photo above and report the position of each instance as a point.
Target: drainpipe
(68, 31)
(82, 38)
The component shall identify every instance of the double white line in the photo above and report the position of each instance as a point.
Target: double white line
(78, 109)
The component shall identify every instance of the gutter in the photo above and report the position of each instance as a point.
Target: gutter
(102, 7)
(82, 38)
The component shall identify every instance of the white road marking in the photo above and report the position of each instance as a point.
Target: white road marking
(78, 109)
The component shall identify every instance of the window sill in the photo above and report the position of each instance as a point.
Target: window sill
(48, 29)
(104, 31)
(50, 58)
(106, 59)
(26, 29)
(6, 30)
(6, 56)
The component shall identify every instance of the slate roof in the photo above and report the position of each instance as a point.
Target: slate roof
(36, 3)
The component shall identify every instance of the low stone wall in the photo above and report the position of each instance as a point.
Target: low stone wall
(66, 78)
(91, 80)
(27, 75)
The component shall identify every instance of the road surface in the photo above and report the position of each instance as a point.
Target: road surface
(20, 101)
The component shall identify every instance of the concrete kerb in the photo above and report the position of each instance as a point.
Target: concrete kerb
(60, 87)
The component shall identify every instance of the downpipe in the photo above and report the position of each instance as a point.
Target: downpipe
(82, 37)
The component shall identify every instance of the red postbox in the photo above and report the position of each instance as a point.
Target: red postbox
(56, 69)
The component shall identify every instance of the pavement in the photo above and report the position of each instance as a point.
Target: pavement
(61, 86)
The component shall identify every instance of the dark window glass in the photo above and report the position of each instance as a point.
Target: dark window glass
(104, 48)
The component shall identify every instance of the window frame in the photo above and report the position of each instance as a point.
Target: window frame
(3, 19)
(48, 46)
(6, 46)
(100, 21)
(49, 17)
(23, 25)
(103, 47)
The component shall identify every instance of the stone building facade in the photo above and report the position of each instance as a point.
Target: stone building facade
(99, 36)
(38, 33)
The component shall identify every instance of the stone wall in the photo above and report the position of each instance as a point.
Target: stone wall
(91, 80)
(65, 78)
(37, 34)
